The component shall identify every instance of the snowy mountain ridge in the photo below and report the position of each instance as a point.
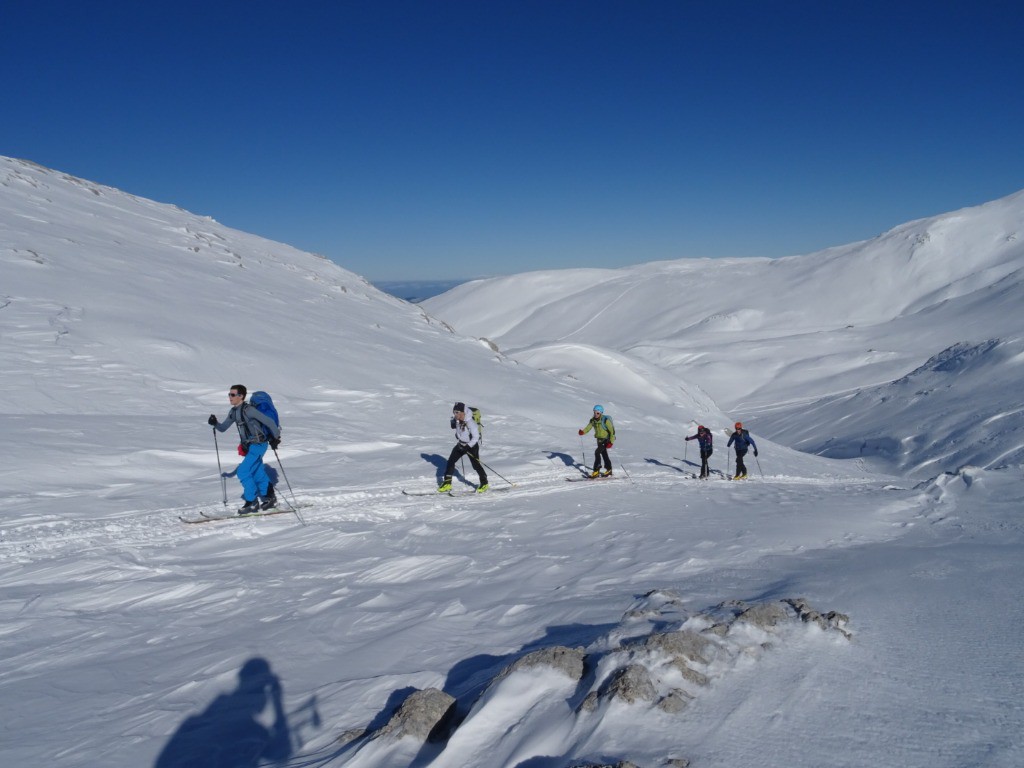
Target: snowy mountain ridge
(752, 332)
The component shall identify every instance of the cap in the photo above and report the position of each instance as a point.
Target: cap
(459, 408)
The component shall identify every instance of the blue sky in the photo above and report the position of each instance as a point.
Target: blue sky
(436, 140)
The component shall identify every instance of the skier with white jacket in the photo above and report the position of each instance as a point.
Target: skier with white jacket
(467, 435)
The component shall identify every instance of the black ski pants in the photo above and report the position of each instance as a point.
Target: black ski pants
(460, 450)
(705, 454)
(741, 468)
(601, 454)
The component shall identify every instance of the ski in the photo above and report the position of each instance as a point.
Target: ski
(435, 492)
(588, 477)
(695, 476)
(688, 473)
(205, 518)
(457, 494)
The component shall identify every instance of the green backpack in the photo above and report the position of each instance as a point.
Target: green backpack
(479, 423)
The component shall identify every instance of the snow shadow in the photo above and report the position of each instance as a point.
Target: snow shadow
(228, 733)
(565, 458)
(568, 460)
(441, 463)
(659, 463)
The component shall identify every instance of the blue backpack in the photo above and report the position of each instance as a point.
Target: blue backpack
(265, 405)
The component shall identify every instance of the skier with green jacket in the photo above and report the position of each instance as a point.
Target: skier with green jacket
(604, 431)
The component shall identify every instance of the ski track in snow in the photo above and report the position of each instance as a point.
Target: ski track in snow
(31, 539)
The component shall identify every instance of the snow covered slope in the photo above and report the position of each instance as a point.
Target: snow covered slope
(765, 338)
(819, 608)
(140, 316)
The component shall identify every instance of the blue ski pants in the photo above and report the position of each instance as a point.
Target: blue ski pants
(252, 474)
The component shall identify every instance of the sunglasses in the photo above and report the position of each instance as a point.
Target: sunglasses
(233, 394)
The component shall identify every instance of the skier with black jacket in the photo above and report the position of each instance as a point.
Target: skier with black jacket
(704, 440)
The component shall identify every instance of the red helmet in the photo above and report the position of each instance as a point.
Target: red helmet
(702, 428)
(739, 425)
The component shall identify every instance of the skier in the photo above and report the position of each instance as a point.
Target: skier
(468, 436)
(253, 429)
(704, 440)
(604, 431)
(743, 441)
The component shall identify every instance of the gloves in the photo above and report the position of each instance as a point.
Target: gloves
(581, 431)
(755, 453)
(274, 442)
(212, 421)
(609, 445)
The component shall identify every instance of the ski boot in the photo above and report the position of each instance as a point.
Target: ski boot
(269, 502)
(606, 473)
(483, 488)
(250, 507)
(445, 487)
(595, 473)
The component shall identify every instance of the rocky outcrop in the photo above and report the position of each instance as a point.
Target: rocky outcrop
(660, 657)
(422, 716)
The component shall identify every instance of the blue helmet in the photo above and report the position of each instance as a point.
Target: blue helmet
(598, 409)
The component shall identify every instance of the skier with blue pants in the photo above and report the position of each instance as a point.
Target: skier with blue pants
(256, 431)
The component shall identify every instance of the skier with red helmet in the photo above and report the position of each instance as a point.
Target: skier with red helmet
(743, 441)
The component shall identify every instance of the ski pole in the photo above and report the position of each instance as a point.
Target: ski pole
(583, 453)
(623, 468)
(758, 465)
(496, 472)
(220, 470)
(293, 502)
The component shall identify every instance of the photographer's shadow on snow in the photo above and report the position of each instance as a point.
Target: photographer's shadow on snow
(230, 732)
